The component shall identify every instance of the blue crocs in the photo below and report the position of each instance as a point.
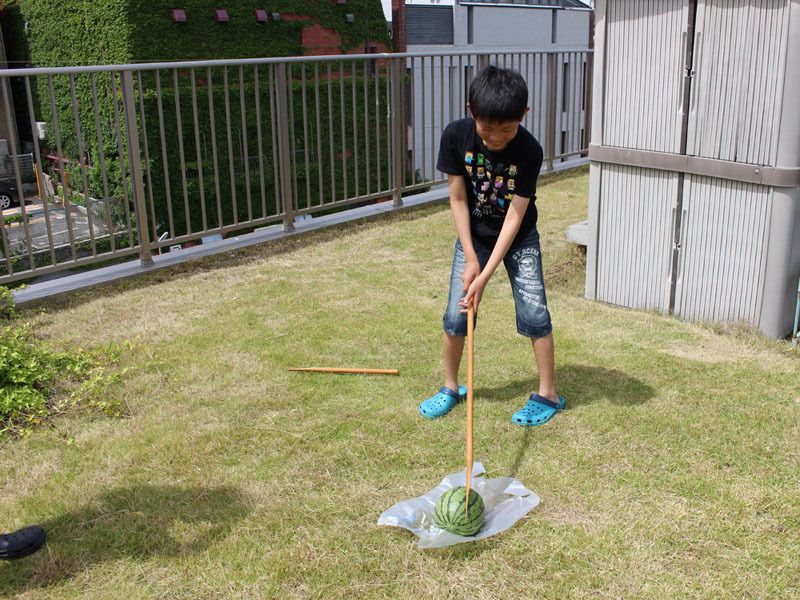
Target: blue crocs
(442, 403)
(537, 411)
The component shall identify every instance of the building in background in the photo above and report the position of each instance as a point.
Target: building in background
(491, 25)
(6, 140)
(72, 128)
(561, 30)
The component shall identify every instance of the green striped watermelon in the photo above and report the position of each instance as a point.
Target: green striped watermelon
(450, 515)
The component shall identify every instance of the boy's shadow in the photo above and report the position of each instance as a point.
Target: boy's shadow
(578, 384)
(128, 522)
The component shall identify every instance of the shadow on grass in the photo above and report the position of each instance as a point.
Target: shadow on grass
(579, 384)
(521, 452)
(138, 522)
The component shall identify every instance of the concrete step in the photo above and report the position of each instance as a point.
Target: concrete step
(579, 233)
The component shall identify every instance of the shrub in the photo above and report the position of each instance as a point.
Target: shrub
(17, 218)
(36, 381)
(7, 309)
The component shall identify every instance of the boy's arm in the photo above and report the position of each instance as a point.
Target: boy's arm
(459, 206)
(511, 225)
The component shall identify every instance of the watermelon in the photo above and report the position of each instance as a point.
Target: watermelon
(450, 515)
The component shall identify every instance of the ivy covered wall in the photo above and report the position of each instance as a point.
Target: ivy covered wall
(50, 33)
(53, 33)
(155, 37)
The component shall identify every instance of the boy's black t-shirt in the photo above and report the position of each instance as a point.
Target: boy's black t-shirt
(492, 178)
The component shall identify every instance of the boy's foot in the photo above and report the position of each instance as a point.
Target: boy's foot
(21, 543)
(537, 411)
(442, 403)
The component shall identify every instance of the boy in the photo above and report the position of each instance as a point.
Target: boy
(492, 164)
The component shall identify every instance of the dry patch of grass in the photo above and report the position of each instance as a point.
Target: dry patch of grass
(711, 349)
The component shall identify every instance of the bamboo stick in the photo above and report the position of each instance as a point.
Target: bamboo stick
(348, 370)
(470, 397)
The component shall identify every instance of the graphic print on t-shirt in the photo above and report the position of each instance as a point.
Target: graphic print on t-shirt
(490, 178)
(493, 184)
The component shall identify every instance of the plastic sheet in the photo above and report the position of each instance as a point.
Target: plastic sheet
(506, 500)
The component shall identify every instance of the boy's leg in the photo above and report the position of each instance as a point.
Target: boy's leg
(455, 332)
(453, 350)
(524, 266)
(544, 351)
(454, 322)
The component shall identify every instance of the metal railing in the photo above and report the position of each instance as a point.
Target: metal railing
(136, 159)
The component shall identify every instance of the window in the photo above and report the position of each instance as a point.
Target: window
(429, 24)
(294, 35)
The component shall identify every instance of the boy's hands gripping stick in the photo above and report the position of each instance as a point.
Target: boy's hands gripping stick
(474, 293)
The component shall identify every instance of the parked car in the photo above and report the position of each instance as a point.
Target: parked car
(9, 195)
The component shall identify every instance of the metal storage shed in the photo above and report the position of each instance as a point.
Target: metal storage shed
(695, 150)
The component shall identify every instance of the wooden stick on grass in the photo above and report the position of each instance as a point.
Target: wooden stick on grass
(348, 370)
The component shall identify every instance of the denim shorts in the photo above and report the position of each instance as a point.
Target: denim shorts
(524, 267)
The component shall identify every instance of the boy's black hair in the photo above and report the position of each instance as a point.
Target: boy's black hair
(498, 95)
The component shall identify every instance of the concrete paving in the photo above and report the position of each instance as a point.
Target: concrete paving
(61, 228)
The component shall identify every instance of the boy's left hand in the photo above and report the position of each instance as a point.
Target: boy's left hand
(474, 293)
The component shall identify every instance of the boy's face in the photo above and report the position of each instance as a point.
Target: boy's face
(497, 135)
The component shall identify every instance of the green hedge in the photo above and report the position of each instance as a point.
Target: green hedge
(49, 33)
(67, 33)
(37, 381)
(156, 37)
(63, 33)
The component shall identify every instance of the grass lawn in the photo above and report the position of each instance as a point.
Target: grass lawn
(673, 473)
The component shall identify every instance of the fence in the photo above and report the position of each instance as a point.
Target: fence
(149, 156)
(24, 164)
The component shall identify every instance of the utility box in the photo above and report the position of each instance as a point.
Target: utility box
(694, 204)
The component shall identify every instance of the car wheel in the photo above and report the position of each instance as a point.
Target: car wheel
(6, 200)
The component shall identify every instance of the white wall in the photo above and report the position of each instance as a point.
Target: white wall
(507, 27)
(511, 27)
(572, 27)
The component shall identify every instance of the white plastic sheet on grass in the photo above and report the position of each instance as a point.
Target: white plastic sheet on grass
(505, 498)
